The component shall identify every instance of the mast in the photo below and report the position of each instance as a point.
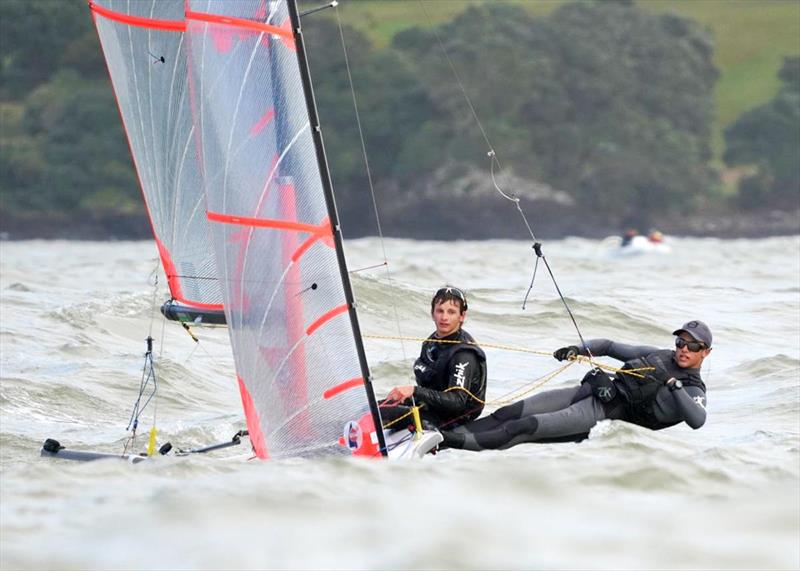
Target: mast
(330, 202)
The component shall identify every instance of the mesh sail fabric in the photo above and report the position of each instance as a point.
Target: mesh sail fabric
(144, 45)
(293, 341)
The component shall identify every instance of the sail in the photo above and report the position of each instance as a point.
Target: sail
(287, 300)
(145, 49)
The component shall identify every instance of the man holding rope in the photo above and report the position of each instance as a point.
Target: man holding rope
(656, 388)
(450, 372)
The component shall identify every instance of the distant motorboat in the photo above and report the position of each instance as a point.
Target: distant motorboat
(636, 246)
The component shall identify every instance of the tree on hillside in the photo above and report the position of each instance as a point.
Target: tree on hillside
(394, 109)
(768, 137)
(38, 38)
(607, 101)
(76, 159)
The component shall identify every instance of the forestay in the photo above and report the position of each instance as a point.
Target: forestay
(293, 331)
(145, 49)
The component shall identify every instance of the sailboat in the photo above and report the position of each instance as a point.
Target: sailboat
(301, 367)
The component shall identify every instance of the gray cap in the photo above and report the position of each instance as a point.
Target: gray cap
(697, 329)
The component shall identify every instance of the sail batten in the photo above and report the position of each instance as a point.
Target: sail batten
(288, 305)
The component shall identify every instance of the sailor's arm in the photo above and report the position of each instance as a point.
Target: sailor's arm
(606, 348)
(464, 376)
(690, 403)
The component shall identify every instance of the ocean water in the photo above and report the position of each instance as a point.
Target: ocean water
(74, 316)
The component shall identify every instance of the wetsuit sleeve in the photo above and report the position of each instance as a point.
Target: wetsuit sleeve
(463, 372)
(619, 351)
(691, 405)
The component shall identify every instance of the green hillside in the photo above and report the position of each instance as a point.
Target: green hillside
(752, 38)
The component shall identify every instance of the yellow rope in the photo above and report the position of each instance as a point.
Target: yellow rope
(455, 341)
(398, 419)
(520, 392)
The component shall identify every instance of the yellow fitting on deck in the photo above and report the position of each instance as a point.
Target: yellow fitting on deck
(151, 446)
(417, 422)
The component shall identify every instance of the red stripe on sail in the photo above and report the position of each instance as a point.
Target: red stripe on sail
(288, 39)
(253, 422)
(170, 270)
(263, 122)
(262, 222)
(138, 21)
(341, 387)
(173, 280)
(296, 399)
(325, 318)
(240, 23)
(324, 233)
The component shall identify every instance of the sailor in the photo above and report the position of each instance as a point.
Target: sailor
(450, 372)
(655, 388)
(628, 236)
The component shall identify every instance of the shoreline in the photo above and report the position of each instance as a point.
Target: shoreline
(760, 224)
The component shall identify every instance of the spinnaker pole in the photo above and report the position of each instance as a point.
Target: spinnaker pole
(327, 185)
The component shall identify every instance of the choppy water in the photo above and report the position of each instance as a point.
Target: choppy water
(74, 316)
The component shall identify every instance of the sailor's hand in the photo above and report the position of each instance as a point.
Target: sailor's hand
(399, 394)
(566, 353)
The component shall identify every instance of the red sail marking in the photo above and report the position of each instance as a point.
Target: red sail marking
(262, 11)
(263, 222)
(324, 233)
(297, 397)
(325, 318)
(173, 279)
(288, 37)
(263, 122)
(242, 29)
(138, 21)
(342, 387)
(253, 422)
(241, 23)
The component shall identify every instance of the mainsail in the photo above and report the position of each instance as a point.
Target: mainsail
(145, 49)
(301, 368)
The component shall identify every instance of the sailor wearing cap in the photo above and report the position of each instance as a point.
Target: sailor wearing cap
(655, 388)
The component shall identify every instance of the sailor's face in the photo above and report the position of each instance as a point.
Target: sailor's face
(448, 318)
(687, 359)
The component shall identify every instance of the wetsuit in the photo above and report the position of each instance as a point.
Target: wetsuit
(560, 415)
(451, 383)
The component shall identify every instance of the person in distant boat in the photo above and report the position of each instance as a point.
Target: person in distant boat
(628, 237)
(450, 372)
(656, 388)
(655, 237)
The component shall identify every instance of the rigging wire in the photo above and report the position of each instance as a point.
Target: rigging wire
(148, 372)
(392, 287)
(491, 153)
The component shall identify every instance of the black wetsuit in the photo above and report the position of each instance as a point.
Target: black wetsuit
(567, 415)
(451, 383)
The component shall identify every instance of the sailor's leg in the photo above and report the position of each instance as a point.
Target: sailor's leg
(570, 423)
(547, 401)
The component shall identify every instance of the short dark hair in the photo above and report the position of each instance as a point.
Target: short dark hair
(449, 293)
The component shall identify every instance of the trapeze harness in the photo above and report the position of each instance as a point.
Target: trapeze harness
(435, 377)
(632, 395)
